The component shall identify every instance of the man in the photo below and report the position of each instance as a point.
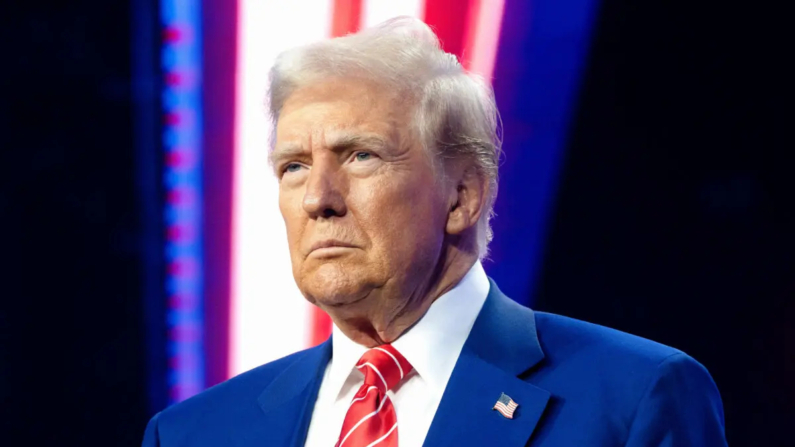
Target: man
(386, 155)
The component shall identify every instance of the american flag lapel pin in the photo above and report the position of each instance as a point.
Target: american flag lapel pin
(505, 405)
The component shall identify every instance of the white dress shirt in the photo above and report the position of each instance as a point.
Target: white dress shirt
(431, 346)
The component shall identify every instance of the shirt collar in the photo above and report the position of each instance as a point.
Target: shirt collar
(433, 344)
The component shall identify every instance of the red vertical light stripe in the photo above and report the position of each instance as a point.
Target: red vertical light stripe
(346, 19)
(321, 326)
(470, 34)
(470, 29)
(450, 20)
(482, 37)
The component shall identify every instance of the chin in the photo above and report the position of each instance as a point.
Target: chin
(334, 283)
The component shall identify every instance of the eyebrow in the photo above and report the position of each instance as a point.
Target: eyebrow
(286, 150)
(337, 143)
(344, 141)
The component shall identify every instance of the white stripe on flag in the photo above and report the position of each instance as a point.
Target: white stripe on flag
(505, 411)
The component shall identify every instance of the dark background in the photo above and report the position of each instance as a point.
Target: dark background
(673, 218)
(72, 340)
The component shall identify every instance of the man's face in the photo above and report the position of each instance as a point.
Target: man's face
(363, 210)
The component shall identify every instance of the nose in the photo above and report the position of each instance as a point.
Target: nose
(323, 197)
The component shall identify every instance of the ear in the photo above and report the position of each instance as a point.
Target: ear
(468, 194)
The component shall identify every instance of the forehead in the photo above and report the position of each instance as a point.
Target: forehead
(340, 105)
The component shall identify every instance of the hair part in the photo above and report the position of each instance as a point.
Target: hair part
(454, 117)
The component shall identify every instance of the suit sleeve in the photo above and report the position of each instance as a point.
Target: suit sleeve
(680, 408)
(151, 437)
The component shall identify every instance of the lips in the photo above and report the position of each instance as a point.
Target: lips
(329, 243)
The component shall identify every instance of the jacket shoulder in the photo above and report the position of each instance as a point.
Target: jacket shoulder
(564, 338)
(597, 362)
(629, 387)
(604, 364)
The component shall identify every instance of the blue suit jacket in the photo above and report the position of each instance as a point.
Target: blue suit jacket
(577, 384)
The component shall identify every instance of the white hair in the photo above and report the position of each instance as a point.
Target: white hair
(454, 115)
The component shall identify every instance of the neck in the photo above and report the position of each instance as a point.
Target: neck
(382, 319)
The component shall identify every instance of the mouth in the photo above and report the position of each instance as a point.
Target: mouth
(330, 247)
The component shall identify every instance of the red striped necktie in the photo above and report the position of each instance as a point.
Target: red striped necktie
(371, 419)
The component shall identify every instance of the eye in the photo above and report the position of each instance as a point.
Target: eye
(292, 167)
(362, 156)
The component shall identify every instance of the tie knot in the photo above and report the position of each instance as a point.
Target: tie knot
(383, 367)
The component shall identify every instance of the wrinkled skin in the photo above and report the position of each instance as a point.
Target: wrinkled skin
(376, 232)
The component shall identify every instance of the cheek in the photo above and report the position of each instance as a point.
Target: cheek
(290, 207)
(402, 216)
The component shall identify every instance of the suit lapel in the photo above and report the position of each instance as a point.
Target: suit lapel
(289, 400)
(502, 345)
